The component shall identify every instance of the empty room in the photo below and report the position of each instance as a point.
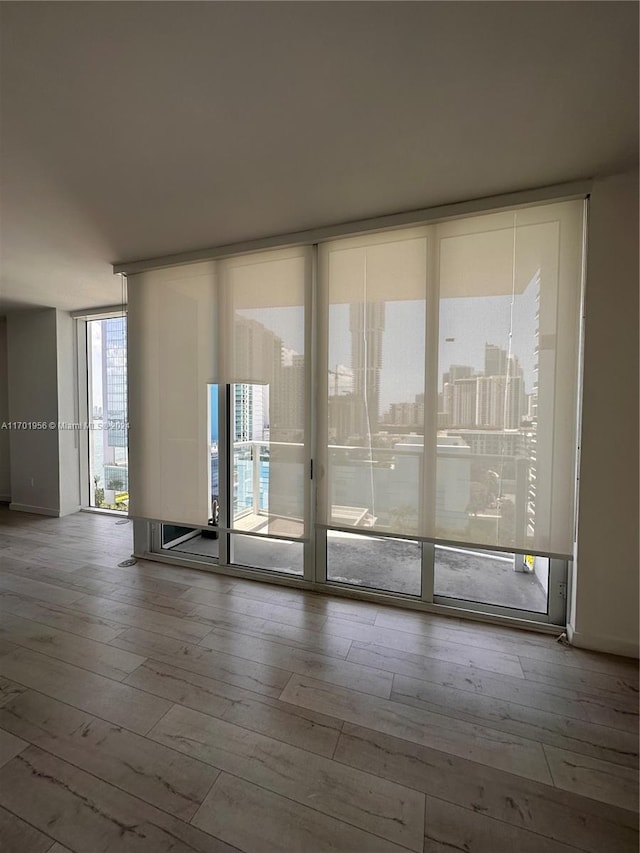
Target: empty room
(319, 427)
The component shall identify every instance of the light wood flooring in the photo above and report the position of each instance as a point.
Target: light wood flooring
(160, 709)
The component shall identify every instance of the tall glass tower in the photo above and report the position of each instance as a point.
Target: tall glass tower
(366, 324)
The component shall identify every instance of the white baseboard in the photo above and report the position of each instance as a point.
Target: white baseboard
(37, 510)
(600, 643)
(5, 499)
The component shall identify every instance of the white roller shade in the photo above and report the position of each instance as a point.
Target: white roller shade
(265, 299)
(373, 301)
(446, 388)
(451, 362)
(171, 358)
(509, 304)
(240, 322)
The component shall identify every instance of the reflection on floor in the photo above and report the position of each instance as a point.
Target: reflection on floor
(392, 565)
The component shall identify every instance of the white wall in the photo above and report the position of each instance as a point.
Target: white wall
(68, 440)
(5, 434)
(33, 396)
(604, 607)
(44, 462)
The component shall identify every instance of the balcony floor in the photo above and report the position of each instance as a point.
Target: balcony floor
(393, 565)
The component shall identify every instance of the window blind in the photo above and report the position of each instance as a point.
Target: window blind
(241, 323)
(445, 392)
(449, 373)
(171, 359)
(265, 357)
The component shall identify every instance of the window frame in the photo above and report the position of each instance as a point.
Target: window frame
(315, 575)
(83, 391)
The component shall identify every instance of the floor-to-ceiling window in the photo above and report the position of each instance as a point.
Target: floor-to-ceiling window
(449, 372)
(374, 302)
(396, 413)
(105, 441)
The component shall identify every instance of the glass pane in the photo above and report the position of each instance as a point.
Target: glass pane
(504, 406)
(508, 580)
(376, 376)
(374, 562)
(267, 475)
(268, 398)
(107, 404)
(214, 456)
(273, 554)
(192, 541)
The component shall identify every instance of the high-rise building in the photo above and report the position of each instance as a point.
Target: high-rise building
(457, 371)
(114, 383)
(366, 324)
(258, 356)
(402, 414)
(248, 424)
(513, 402)
(287, 400)
(257, 351)
(340, 418)
(493, 400)
(445, 409)
(499, 402)
(495, 360)
(341, 405)
(406, 414)
(464, 402)
(484, 398)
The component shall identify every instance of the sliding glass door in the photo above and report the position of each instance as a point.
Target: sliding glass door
(448, 368)
(392, 413)
(238, 377)
(373, 307)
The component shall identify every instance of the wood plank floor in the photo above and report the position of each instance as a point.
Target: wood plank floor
(157, 708)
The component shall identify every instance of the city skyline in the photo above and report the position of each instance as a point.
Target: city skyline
(466, 324)
(489, 390)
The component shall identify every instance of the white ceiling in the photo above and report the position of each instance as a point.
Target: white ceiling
(131, 130)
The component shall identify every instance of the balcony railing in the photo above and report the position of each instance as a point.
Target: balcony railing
(376, 486)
